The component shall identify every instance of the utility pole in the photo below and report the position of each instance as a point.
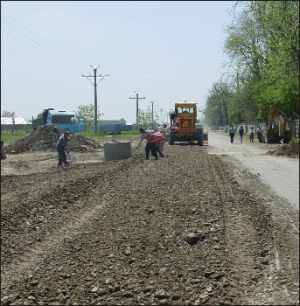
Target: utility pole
(137, 106)
(152, 114)
(95, 91)
(161, 109)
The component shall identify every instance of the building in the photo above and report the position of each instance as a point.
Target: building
(16, 123)
(106, 122)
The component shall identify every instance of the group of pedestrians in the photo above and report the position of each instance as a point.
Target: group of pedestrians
(232, 131)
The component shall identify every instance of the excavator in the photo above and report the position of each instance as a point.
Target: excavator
(279, 128)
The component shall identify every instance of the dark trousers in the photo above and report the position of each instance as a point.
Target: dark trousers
(231, 137)
(62, 157)
(251, 137)
(172, 117)
(259, 137)
(152, 147)
(159, 151)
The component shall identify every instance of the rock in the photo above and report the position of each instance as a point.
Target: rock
(161, 294)
(192, 238)
(175, 297)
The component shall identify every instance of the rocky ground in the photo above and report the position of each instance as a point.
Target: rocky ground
(188, 229)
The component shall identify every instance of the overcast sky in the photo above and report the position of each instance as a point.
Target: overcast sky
(166, 51)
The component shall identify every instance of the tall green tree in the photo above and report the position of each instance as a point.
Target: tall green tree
(216, 110)
(87, 111)
(279, 84)
(145, 118)
(263, 45)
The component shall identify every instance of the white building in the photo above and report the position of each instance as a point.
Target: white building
(9, 120)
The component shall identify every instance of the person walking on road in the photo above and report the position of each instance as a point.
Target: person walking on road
(231, 133)
(251, 134)
(151, 143)
(241, 133)
(259, 131)
(62, 148)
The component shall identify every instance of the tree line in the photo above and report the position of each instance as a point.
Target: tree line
(262, 44)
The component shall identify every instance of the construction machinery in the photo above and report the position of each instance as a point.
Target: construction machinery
(185, 126)
(279, 128)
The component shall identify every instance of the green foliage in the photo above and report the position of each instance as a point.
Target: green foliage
(145, 119)
(91, 134)
(263, 47)
(130, 133)
(88, 112)
(10, 136)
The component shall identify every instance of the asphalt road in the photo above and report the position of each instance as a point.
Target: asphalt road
(281, 174)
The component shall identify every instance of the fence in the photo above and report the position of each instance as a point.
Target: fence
(11, 127)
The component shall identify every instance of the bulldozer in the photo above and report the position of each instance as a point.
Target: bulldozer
(279, 129)
(185, 126)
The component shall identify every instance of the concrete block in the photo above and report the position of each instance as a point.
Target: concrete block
(117, 150)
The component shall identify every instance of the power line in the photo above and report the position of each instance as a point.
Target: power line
(41, 82)
(32, 47)
(21, 33)
(95, 91)
(31, 31)
(55, 70)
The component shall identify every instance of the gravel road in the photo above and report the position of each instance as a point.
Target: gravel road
(189, 229)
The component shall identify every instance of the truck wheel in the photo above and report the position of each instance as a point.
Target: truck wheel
(200, 142)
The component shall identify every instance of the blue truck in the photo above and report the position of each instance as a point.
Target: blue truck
(115, 128)
(65, 120)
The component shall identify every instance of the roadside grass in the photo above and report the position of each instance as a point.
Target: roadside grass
(10, 136)
(125, 134)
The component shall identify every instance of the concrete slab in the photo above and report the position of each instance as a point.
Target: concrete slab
(117, 150)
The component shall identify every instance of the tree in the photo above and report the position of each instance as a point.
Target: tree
(145, 118)
(8, 114)
(263, 45)
(217, 103)
(279, 84)
(87, 111)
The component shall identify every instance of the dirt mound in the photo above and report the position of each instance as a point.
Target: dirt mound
(291, 150)
(45, 138)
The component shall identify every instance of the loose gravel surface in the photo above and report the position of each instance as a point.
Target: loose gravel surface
(188, 229)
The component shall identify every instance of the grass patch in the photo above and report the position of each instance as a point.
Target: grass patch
(91, 134)
(10, 136)
(295, 140)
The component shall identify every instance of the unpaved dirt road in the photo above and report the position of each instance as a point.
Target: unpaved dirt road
(191, 228)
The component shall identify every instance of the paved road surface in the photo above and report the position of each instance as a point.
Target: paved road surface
(280, 173)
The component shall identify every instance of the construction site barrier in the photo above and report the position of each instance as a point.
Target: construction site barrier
(117, 150)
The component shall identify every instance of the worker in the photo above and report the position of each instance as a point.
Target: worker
(231, 133)
(163, 130)
(159, 140)
(241, 132)
(3, 155)
(151, 143)
(62, 148)
(172, 116)
(251, 133)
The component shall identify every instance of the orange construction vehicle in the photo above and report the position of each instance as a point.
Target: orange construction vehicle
(279, 127)
(185, 126)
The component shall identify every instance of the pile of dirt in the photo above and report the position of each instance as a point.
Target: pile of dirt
(45, 138)
(291, 150)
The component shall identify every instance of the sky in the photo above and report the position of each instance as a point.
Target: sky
(166, 51)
